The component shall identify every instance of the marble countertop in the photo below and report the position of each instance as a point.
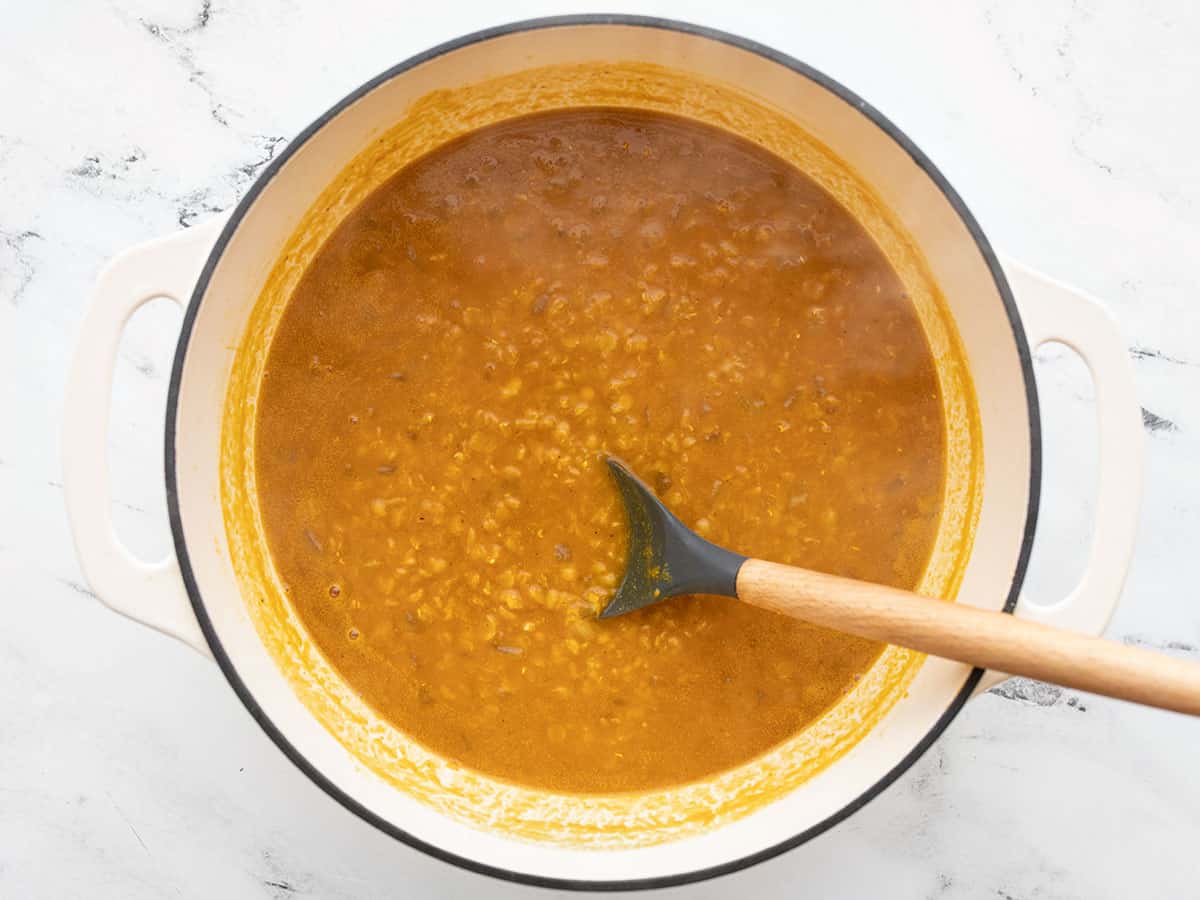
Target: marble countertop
(128, 769)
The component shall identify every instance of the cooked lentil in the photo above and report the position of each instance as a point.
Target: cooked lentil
(475, 337)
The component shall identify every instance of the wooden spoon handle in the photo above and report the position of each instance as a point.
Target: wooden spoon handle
(991, 640)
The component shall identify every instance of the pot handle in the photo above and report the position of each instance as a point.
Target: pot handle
(1052, 311)
(148, 592)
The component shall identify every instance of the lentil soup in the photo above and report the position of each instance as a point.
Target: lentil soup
(462, 352)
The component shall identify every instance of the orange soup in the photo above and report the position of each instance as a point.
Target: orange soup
(473, 340)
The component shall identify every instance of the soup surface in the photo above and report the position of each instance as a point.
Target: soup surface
(475, 337)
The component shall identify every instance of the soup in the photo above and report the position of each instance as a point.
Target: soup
(472, 341)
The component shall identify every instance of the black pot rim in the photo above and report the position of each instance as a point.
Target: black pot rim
(172, 477)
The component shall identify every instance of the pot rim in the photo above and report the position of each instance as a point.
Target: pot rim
(226, 664)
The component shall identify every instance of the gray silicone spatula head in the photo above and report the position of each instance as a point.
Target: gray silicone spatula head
(666, 558)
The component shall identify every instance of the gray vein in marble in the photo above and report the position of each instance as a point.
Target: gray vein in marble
(93, 166)
(1029, 691)
(1158, 356)
(1089, 118)
(16, 264)
(1137, 640)
(196, 205)
(928, 779)
(1086, 156)
(175, 40)
(944, 884)
(78, 588)
(201, 203)
(280, 883)
(1155, 423)
(96, 171)
(120, 812)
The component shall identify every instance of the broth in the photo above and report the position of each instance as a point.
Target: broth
(475, 337)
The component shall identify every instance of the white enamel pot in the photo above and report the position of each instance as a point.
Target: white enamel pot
(217, 270)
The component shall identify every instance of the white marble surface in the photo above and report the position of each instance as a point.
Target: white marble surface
(127, 767)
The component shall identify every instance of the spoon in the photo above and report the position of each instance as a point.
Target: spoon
(666, 559)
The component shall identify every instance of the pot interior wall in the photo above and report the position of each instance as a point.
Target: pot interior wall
(281, 676)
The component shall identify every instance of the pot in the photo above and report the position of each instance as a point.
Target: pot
(231, 274)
